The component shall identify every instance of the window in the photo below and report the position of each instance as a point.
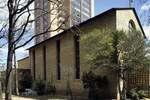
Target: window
(37, 30)
(37, 39)
(44, 61)
(77, 56)
(37, 20)
(45, 19)
(76, 12)
(131, 25)
(58, 59)
(37, 3)
(37, 6)
(33, 58)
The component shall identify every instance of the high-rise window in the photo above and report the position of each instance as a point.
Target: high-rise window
(44, 61)
(77, 56)
(85, 10)
(37, 25)
(45, 18)
(37, 20)
(76, 12)
(34, 70)
(58, 59)
(50, 15)
(81, 11)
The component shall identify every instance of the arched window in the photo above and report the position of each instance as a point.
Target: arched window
(131, 25)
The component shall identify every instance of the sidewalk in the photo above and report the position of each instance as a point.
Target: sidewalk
(23, 98)
(51, 98)
(33, 98)
(18, 98)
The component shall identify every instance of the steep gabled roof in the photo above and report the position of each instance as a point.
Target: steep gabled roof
(94, 18)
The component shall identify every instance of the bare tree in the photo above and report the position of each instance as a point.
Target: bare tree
(0, 87)
(19, 23)
(68, 71)
(2, 65)
(16, 76)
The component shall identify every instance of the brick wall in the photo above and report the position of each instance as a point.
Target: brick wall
(67, 55)
(24, 63)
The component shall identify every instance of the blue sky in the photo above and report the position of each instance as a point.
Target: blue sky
(103, 5)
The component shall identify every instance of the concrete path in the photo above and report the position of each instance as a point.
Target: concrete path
(29, 98)
(48, 98)
(23, 98)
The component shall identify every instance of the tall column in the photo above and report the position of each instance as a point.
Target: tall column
(92, 8)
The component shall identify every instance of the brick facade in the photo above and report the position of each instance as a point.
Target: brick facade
(24, 63)
(112, 19)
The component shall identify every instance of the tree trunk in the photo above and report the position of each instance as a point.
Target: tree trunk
(16, 77)
(122, 86)
(1, 98)
(11, 31)
(68, 90)
(8, 74)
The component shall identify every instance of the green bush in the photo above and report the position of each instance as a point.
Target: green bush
(50, 89)
(133, 94)
(136, 94)
(102, 81)
(25, 81)
(44, 88)
(96, 85)
(142, 94)
(88, 79)
(39, 86)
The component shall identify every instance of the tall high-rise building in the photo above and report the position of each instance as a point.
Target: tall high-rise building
(50, 15)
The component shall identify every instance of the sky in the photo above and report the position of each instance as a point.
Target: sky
(104, 5)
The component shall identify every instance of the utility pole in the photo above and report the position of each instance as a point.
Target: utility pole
(130, 3)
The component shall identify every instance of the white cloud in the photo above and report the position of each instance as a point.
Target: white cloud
(4, 49)
(20, 50)
(147, 31)
(4, 13)
(145, 7)
(21, 53)
(3, 55)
